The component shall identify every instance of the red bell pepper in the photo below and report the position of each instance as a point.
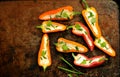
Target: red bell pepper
(62, 13)
(84, 61)
(50, 27)
(81, 30)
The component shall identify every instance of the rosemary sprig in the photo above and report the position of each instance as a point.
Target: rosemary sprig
(75, 71)
(70, 71)
(68, 63)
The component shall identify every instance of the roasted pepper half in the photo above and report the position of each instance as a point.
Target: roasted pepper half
(83, 61)
(44, 56)
(81, 30)
(66, 46)
(50, 27)
(62, 13)
(91, 17)
(102, 44)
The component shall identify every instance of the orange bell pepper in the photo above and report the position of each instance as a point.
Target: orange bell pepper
(66, 46)
(50, 27)
(44, 56)
(102, 44)
(91, 17)
(62, 13)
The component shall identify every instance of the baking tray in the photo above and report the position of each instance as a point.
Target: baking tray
(20, 40)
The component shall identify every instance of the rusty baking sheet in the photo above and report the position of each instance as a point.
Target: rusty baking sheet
(20, 40)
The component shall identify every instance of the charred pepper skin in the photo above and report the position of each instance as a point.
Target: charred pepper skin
(82, 30)
(85, 62)
(44, 55)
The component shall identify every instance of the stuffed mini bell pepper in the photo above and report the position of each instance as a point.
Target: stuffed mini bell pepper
(50, 27)
(66, 46)
(81, 30)
(44, 56)
(83, 61)
(102, 44)
(62, 13)
(91, 17)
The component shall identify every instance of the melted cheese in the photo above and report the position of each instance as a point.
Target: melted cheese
(54, 15)
(71, 47)
(45, 60)
(79, 59)
(89, 19)
(83, 32)
(108, 48)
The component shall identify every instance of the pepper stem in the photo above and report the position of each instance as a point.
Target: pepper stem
(39, 26)
(69, 27)
(44, 68)
(86, 5)
(76, 13)
(73, 55)
(55, 44)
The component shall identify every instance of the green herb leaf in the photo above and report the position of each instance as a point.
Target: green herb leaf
(77, 48)
(85, 32)
(61, 42)
(41, 58)
(49, 23)
(78, 27)
(60, 15)
(91, 15)
(103, 44)
(43, 54)
(47, 42)
(78, 58)
(84, 62)
(90, 61)
(57, 16)
(99, 41)
(61, 12)
(93, 20)
(48, 28)
(65, 47)
(65, 15)
(50, 17)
